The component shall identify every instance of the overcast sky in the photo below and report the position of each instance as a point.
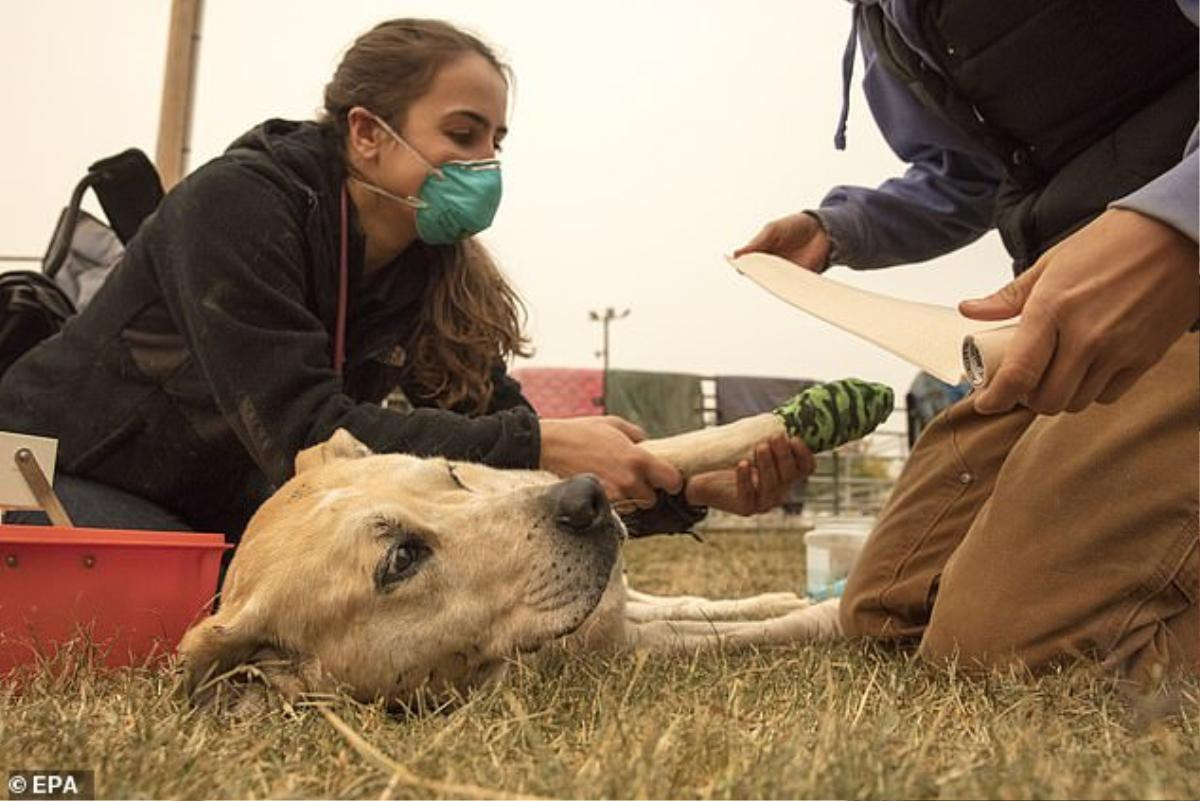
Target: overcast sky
(647, 140)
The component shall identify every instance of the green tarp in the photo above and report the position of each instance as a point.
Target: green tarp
(663, 404)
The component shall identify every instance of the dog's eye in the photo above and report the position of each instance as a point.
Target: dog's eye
(400, 562)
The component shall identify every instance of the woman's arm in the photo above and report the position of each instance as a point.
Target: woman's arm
(232, 262)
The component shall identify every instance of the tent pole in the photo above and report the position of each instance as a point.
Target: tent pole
(179, 81)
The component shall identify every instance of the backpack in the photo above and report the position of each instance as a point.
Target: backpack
(32, 308)
(82, 252)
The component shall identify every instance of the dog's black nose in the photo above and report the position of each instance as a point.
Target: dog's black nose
(581, 503)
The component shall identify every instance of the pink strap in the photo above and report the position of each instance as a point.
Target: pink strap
(339, 334)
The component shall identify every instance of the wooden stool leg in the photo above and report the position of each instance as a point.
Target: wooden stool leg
(41, 489)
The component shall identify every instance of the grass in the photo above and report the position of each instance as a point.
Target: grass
(840, 720)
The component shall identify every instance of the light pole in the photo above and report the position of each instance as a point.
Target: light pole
(605, 319)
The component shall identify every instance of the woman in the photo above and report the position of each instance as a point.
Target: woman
(284, 289)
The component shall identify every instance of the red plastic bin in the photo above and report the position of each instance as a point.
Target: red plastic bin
(134, 593)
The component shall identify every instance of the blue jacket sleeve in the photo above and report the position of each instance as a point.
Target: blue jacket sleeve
(946, 197)
(942, 202)
(1174, 196)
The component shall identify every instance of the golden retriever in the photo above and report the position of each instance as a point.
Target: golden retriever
(392, 576)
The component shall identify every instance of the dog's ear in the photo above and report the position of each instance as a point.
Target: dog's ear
(216, 646)
(342, 445)
(230, 654)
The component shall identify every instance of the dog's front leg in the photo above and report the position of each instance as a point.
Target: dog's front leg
(824, 416)
(817, 622)
(719, 447)
(641, 607)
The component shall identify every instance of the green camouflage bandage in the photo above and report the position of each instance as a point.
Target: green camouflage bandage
(828, 415)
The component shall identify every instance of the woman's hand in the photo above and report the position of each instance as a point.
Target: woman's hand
(606, 447)
(755, 487)
(798, 238)
(1097, 310)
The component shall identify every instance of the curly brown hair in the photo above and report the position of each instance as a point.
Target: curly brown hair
(471, 318)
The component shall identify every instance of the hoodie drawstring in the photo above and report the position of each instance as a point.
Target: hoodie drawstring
(339, 332)
(839, 137)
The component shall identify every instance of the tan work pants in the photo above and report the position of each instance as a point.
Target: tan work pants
(1044, 539)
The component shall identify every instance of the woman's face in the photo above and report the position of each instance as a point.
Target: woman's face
(461, 118)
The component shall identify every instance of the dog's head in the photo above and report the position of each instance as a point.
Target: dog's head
(394, 575)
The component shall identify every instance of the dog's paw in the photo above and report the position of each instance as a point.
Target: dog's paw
(828, 415)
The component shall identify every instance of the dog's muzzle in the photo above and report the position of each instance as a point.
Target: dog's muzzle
(583, 547)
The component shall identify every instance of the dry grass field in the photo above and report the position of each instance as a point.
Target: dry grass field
(825, 721)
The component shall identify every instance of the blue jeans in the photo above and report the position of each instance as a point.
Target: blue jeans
(96, 505)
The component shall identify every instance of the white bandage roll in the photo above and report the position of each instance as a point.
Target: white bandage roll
(982, 353)
(938, 339)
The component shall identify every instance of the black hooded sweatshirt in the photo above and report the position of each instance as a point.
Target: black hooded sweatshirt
(204, 363)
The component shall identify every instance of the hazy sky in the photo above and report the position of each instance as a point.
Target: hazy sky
(648, 139)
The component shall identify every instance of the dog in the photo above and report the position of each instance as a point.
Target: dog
(394, 577)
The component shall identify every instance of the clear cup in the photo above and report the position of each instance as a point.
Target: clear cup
(831, 549)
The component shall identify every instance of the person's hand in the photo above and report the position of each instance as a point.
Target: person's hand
(1097, 310)
(798, 238)
(606, 447)
(757, 486)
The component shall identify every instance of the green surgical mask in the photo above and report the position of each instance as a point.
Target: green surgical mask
(458, 199)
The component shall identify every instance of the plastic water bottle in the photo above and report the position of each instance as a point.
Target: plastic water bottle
(833, 590)
(831, 549)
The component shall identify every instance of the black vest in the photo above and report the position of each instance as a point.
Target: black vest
(1084, 101)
